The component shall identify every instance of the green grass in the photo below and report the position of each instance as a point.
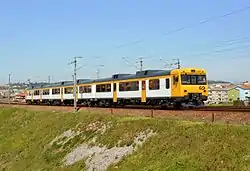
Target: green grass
(217, 105)
(178, 145)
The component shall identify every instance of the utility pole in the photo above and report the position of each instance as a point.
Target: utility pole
(75, 70)
(98, 71)
(178, 63)
(9, 89)
(29, 83)
(141, 63)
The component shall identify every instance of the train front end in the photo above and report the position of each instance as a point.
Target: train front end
(190, 87)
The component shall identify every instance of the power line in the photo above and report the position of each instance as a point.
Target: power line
(129, 63)
(139, 61)
(233, 41)
(222, 50)
(176, 62)
(217, 48)
(223, 43)
(229, 42)
(191, 25)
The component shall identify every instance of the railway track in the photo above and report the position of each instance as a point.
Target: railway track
(131, 107)
(232, 114)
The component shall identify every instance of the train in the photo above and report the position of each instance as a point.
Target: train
(165, 88)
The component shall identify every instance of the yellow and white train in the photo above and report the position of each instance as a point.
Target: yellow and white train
(177, 87)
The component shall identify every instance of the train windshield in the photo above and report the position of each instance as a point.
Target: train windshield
(193, 80)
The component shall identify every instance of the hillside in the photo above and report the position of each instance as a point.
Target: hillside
(31, 140)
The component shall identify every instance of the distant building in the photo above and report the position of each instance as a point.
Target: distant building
(244, 90)
(228, 93)
(222, 93)
(233, 94)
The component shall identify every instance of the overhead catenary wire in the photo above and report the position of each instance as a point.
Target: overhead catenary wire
(218, 51)
(139, 60)
(95, 65)
(224, 43)
(175, 62)
(129, 63)
(190, 25)
(229, 49)
(230, 41)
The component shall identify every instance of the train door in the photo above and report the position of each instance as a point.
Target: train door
(175, 86)
(143, 91)
(61, 92)
(41, 93)
(32, 95)
(114, 92)
(76, 93)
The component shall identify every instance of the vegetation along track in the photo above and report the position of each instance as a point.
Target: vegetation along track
(208, 114)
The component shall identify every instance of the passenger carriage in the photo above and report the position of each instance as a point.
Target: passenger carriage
(152, 87)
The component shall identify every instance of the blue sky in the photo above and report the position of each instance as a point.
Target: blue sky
(39, 38)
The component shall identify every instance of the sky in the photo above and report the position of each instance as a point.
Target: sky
(38, 38)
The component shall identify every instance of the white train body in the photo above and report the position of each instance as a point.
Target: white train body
(145, 87)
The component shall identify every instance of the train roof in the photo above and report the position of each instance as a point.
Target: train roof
(138, 74)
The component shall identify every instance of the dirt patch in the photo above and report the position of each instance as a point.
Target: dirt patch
(100, 158)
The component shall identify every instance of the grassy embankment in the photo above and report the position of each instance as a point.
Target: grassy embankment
(221, 105)
(178, 145)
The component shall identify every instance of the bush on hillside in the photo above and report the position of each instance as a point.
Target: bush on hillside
(238, 103)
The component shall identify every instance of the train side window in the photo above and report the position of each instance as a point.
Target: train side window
(108, 87)
(167, 83)
(36, 92)
(129, 86)
(81, 89)
(46, 92)
(154, 84)
(88, 89)
(143, 85)
(98, 88)
(56, 91)
(68, 90)
(114, 86)
(103, 88)
(85, 89)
